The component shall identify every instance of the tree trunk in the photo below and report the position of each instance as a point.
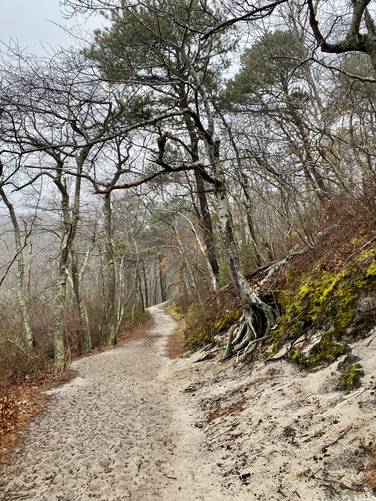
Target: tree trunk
(110, 294)
(146, 288)
(207, 228)
(245, 187)
(309, 165)
(162, 278)
(81, 308)
(258, 317)
(24, 308)
(205, 216)
(203, 252)
(59, 341)
(140, 291)
(71, 216)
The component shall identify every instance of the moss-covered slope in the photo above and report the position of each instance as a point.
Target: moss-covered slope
(318, 309)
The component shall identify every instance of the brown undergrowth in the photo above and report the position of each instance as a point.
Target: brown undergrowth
(175, 343)
(369, 477)
(20, 402)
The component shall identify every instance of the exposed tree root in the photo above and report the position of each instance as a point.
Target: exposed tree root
(253, 327)
(260, 313)
(245, 335)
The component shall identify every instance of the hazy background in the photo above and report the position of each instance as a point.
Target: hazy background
(38, 25)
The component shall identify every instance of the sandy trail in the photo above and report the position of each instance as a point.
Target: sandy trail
(137, 425)
(122, 429)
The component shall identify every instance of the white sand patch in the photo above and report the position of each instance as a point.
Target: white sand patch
(282, 434)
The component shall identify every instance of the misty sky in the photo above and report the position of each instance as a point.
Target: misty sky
(31, 22)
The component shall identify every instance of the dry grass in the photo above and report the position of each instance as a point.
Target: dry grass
(176, 342)
(233, 408)
(136, 332)
(369, 477)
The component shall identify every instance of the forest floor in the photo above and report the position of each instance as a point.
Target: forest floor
(137, 425)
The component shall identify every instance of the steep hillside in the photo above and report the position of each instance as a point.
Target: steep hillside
(294, 418)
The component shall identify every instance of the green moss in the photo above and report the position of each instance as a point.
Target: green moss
(325, 352)
(224, 273)
(194, 313)
(322, 301)
(371, 270)
(226, 321)
(366, 255)
(351, 378)
(199, 331)
(176, 312)
(358, 240)
(198, 339)
(296, 356)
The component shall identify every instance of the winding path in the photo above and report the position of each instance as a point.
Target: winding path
(122, 429)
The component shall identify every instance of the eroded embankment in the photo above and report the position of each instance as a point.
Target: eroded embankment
(279, 433)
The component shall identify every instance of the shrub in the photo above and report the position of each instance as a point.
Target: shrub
(17, 364)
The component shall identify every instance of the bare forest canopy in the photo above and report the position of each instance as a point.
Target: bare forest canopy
(185, 145)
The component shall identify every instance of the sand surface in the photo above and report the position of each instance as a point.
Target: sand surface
(136, 425)
(278, 433)
(121, 430)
